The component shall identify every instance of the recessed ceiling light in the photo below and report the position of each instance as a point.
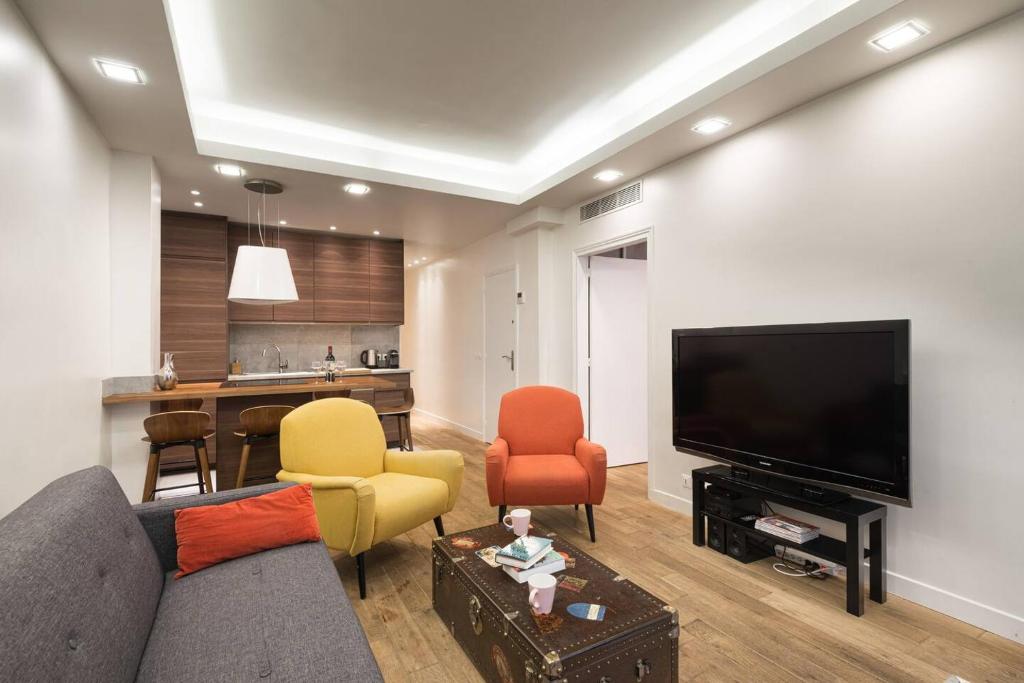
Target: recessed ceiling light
(357, 188)
(711, 126)
(608, 175)
(126, 73)
(199, 204)
(376, 232)
(229, 169)
(283, 222)
(409, 265)
(898, 36)
(334, 227)
(195, 193)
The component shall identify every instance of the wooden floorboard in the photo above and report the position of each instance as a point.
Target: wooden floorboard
(738, 622)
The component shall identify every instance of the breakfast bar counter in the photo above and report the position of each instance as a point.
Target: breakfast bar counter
(226, 400)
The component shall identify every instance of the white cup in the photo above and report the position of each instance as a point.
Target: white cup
(542, 592)
(517, 521)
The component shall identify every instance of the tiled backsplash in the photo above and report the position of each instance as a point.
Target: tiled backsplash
(302, 344)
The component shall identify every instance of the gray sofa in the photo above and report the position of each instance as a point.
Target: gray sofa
(87, 593)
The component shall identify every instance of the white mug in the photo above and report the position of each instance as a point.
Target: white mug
(517, 521)
(542, 592)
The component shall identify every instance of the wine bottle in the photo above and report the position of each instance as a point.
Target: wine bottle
(329, 363)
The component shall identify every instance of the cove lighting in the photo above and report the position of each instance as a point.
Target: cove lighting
(195, 193)
(357, 188)
(608, 175)
(229, 170)
(711, 126)
(126, 73)
(898, 36)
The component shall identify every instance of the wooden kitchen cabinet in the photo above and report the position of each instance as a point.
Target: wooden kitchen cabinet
(301, 249)
(342, 279)
(193, 235)
(194, 317)
(238, 236)
(387, 281)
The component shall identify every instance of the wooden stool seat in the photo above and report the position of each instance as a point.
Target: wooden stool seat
(402, 413)
(176, 428)
(259, 422)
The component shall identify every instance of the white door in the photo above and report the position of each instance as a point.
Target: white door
(499, 345)
(618, 358)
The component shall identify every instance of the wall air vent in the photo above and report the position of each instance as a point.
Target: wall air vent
(621, 198)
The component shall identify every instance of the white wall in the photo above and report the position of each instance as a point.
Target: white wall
(54, 281)
(134, 306)
(898, 197)
(443, 336)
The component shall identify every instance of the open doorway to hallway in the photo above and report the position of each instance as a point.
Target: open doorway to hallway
(612, 345)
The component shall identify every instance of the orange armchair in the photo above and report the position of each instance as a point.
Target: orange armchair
(540, 456)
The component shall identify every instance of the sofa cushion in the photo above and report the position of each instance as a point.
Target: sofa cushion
(545, 480)
(404, 501)
(79, 583)
(278, 615)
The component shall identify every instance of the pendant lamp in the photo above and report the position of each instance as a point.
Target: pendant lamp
(262, 273)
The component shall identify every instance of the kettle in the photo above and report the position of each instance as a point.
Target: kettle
(368, 358)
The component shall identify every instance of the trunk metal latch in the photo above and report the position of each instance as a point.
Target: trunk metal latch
(474, 615)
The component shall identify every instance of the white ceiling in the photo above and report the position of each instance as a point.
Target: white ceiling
(489, 98)
(452, 79)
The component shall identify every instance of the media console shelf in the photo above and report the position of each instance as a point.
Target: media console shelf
(856, 514)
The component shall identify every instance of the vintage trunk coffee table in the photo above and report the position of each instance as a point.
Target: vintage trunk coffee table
(637, 638)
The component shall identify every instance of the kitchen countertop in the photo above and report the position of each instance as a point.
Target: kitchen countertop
(348, 372)
(365, 380)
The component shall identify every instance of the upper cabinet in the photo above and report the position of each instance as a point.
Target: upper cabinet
(342, 279)
(192, 235)
(387, 281)
(193, 305)
(301, 249)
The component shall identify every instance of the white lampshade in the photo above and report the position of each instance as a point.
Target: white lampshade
(262, 275)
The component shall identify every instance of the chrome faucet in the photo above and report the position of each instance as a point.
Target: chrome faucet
(282, 365)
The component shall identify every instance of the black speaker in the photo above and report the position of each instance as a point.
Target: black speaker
(739, 546)
(716, 534)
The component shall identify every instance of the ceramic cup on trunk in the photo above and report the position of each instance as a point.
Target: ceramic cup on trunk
(517, 521)
(542, 592)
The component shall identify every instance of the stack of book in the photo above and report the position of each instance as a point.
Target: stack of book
(788, 528)
(529, 555)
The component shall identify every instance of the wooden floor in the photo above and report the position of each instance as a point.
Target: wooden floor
(738, 622)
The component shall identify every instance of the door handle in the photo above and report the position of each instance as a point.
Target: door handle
(511, 358)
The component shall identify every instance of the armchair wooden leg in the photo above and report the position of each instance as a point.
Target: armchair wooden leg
(243, 465)
(408, 431)
(204, 466)
(361, 570)
(590, 522)
(152, 472)
(501, 513)
(439, 525)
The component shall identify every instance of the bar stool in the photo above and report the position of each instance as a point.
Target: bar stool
(401, 413)
(259, 423)
(177, 428)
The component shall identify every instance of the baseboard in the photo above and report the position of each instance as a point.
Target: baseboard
(957, 606)
(468, 431)
(671, 501)
(975, 613)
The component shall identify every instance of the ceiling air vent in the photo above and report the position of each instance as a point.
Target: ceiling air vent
(621, 198)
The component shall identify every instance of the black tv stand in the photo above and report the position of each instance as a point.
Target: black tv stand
(815, 495)
(857, 515)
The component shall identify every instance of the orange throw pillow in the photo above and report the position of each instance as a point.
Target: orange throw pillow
(211, 534)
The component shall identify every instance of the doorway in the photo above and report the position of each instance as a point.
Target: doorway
(612, 347)
(499, 345)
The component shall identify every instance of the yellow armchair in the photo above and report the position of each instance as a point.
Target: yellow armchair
(364, 493)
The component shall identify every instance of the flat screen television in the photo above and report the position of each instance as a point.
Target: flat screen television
(825, 403)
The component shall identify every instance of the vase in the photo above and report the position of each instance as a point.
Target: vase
(167, 377)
